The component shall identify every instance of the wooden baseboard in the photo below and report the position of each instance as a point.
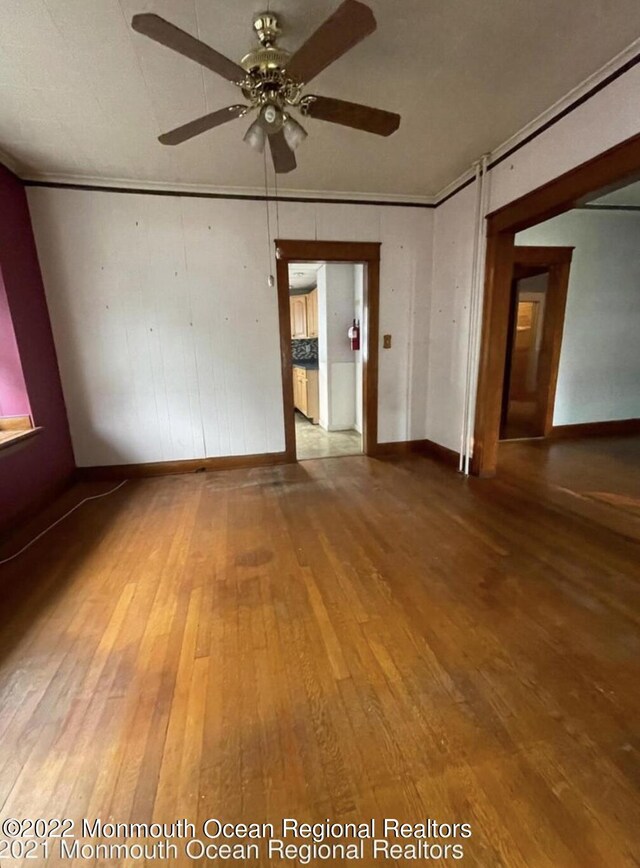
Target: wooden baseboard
(613, 428)
(401, 447)
(442, 453)
(419, 447)
(237, 462)
(193, 465)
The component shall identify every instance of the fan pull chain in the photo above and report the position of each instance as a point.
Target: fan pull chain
(270, 279)
(275, 179)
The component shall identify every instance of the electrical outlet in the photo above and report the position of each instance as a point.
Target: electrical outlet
(386, 342)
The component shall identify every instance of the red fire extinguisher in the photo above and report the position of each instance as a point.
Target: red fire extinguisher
(354, 335)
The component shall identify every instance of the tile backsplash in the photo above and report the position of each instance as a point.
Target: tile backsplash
(304, 350)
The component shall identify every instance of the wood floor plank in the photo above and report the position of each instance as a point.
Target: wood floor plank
(340, 639)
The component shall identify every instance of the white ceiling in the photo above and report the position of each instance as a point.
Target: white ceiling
(303, 274)
(629, 195)
(81, 94)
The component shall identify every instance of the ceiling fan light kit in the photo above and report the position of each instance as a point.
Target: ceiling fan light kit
(272, 81)
(294, 133)
(256, 136)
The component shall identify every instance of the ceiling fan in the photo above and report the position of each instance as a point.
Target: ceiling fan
(272, 81)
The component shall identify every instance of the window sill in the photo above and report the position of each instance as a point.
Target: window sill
(11, 435)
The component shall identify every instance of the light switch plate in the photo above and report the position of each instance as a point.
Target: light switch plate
(386, 342)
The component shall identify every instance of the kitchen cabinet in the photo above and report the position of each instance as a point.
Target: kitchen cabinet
(306, 393)
(304, 315)
(300, 390)
(298, 309)
(312, 313)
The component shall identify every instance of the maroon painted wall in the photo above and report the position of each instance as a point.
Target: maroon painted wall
(35, 470)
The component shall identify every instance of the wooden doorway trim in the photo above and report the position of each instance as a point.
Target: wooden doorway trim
(368, 254)
(556, 262)
(618, 166)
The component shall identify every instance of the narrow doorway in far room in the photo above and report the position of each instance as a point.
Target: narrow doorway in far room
(520, 414)
(538, 294)
(326, 312)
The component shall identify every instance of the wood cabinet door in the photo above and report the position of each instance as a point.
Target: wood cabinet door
(304, 401)
(312, 314)
(313, 397)
(298, 309)
(300, 400)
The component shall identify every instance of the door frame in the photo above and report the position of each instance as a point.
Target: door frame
(357, 252)
(608, 171)
(556, 261)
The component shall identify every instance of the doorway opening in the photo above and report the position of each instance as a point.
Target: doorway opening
(325, 304)
(586, 185)
(539, 284)
(328, 294)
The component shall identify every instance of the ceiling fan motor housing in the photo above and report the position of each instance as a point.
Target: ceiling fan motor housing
(267, 81)
(265, 59)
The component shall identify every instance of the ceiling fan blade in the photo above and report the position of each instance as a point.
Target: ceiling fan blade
(284, 160)
(201, 125)
(352, 114)
(168, 34)
(348, 25)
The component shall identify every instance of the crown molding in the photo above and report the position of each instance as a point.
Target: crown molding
(456, 186)
(555, 111)
(132, 185)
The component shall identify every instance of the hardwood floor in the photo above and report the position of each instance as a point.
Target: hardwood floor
(597, 478)
(338, 639)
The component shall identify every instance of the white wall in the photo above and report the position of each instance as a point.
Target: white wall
(599, 373)
(609, 117)
(323, 348)
(167, 332)
(449, 321)
(336, 362)
(359, 314)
